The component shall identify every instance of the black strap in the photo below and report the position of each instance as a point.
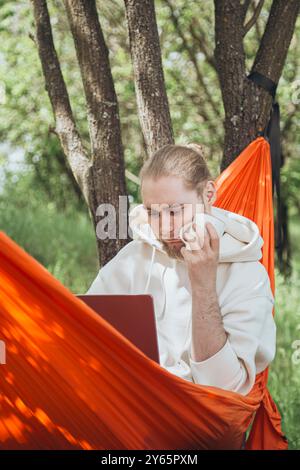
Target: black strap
(264, 82)
(272, 134)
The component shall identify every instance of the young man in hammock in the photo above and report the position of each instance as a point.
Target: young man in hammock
(212, 296)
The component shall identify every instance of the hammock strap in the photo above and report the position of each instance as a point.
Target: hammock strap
(272, 133)
(264, 82)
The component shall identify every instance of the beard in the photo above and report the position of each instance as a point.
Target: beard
(173, 250)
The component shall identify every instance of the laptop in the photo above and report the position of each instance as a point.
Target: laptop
(131, 315)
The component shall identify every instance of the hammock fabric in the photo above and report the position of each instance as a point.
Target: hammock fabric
(72, 381)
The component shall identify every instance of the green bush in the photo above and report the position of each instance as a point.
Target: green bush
(63, 242)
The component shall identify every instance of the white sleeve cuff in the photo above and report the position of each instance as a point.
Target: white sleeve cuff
(222, 370)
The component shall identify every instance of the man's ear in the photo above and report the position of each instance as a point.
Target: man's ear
(210, 192)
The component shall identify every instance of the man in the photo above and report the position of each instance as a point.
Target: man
(212, 296)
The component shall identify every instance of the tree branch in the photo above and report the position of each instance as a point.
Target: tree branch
(152, 100)
(271, 55)
(254, 18)
(201, 41)
(193, 58)
(229, 53)
(245, 7)
(65, 126)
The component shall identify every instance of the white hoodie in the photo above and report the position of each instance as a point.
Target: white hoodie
(243, 289)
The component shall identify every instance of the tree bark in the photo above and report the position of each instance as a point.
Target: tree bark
(150, 89)
(247, 106)
(108, 168)
(101, 177)
(65, 126)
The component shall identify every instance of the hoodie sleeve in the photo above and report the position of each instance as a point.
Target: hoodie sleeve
(246, 307)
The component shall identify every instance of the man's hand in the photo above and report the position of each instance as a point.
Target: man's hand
(202, 258)
(208, 334)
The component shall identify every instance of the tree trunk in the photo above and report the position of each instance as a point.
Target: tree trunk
(101, 177)
(247, 105)
(108, 168)
(150, 89)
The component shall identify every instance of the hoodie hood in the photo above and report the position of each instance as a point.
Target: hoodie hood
(240, 239)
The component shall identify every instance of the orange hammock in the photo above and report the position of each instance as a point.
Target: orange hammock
(71, 380)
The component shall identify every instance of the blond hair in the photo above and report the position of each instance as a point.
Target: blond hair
(185, 161)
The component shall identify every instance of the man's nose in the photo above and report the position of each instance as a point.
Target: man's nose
(167, 226)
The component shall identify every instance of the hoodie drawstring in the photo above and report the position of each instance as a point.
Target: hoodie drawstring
(150, 270)
(162, 280)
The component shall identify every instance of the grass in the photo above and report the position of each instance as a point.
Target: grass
(63, 243)
(284, 375)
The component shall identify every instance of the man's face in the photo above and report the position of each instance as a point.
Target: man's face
(170, 205)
